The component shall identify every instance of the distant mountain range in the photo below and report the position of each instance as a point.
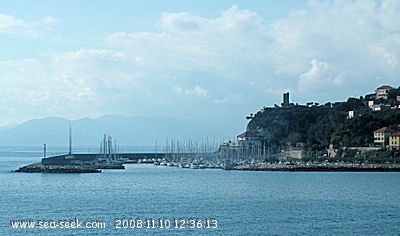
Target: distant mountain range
(89, 132)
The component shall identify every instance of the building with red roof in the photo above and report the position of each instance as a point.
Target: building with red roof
(248, 141)
(247, 147)
(383, 91)
(248, 135)
(381, 136)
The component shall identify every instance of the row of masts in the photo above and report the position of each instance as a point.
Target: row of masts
(180, 150)
(240, 153)
(189, 150)
(108, 150)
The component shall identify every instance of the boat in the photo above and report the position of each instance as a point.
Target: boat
(109, 158)
(163, 163)
(195, 165)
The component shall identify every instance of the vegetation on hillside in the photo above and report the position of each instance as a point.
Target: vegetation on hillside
(318, 126)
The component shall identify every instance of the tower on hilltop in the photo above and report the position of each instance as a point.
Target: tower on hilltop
(285, 102)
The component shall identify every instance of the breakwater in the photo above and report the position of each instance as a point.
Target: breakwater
(40, 168)
(88, 157)
(321, 167)
(88, 163)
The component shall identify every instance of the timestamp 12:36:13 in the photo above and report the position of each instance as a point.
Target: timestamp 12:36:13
(165, 223)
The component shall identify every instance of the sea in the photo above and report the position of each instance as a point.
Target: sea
(145, 199)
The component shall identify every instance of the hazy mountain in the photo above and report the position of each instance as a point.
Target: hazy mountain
(85, 132)
(6, 127)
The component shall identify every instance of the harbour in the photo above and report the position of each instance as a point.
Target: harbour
(308, 203)
(242, 157)
(89, 163)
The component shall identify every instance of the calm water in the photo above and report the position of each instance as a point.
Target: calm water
(242, 203)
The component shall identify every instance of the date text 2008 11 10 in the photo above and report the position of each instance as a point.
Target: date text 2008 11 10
(165, 223)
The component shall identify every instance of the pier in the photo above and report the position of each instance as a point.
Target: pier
(89, 157)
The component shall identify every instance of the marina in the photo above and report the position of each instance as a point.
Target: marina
(242, 157)
(92, 163)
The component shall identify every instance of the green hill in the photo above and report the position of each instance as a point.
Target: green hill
(318, 126)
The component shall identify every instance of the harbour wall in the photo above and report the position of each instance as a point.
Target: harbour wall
(83, 157)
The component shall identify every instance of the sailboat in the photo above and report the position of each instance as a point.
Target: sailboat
(108, 157)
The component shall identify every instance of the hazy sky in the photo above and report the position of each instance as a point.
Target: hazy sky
(199, 61)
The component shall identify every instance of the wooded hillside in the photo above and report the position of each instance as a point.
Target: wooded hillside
(320, 125)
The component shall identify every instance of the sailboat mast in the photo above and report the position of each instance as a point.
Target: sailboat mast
(105, 145)
(70, 139)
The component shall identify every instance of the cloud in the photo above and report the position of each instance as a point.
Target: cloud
(353, 41)
(33, 32)
(181, 22)
(357, 39)
(235, 60)
(320, 76)
(11, 24)
(27, 87)
(317, 73)
(189, 42)
(196, 91)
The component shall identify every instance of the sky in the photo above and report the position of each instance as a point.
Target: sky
(198, 61)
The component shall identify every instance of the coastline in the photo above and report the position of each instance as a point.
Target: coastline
(86, 163)
(321, 167)
(309, 167)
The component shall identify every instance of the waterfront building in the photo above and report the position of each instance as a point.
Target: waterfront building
(249, 146)
(381, 136)
(248, 139)
(394, 141)
(294, 153)
(230, 145)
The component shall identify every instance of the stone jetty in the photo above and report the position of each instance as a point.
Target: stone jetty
(40, 168)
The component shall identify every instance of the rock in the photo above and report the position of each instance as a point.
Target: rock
(40, 168)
